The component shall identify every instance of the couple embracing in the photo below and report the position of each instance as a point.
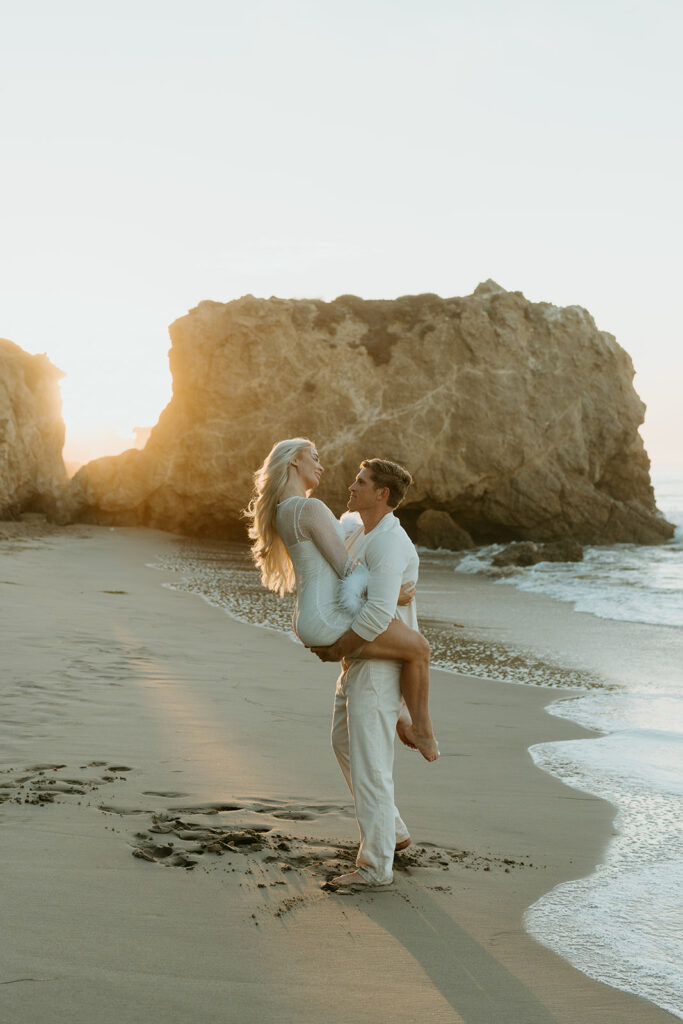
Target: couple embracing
(355, 583)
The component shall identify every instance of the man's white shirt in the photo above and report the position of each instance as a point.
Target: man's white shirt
(391, 558)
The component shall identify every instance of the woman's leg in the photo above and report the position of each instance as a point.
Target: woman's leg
(401, 643)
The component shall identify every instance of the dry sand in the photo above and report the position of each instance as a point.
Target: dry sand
(170, 808)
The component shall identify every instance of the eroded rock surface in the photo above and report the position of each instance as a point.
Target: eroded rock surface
(437, 530)
(32, 473)
(517, 419)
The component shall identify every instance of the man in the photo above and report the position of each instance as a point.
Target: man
(368, 702)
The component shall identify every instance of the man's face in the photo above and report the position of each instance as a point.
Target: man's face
(363, 493)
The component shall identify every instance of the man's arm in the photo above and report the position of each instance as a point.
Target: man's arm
(385, 562)
(350, 643)
(385, 559)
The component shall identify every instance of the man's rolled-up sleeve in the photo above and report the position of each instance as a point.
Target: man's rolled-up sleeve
(386, 570)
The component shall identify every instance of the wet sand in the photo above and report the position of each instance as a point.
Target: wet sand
(171, 809)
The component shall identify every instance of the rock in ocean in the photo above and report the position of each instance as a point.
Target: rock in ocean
(525, 552)
(518, 420)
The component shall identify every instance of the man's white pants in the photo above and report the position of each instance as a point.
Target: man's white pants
(367, 703)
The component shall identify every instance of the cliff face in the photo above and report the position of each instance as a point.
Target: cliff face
(32, 473)
(518, 419)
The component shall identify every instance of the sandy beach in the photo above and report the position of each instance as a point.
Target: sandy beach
(171, 808)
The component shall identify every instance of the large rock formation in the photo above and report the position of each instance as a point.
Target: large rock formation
(518, 419)
(32, 473)
(436, 529)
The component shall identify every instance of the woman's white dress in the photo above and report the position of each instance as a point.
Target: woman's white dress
(329, 584)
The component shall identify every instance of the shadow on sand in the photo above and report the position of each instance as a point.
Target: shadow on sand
(475, 984)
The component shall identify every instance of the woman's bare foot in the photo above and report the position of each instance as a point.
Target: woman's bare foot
(425, 743)
(403, 845)
(404, 728)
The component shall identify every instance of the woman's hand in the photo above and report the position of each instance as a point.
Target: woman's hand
(407, 592)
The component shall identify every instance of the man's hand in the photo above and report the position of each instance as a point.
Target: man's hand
(407, 592)
(327, 653)
(347, 644)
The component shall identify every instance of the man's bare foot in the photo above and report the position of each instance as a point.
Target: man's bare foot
(352, 878)
(403, 845)
(404, 728)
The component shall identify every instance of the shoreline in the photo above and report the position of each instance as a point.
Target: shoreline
(202, 711)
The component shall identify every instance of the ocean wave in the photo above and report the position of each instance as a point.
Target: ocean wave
(626, 582)
(622, 924)
(656, 713)
(604, 925)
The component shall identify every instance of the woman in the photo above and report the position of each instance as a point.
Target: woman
(298, 544)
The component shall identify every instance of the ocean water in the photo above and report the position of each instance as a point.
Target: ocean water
(627, 582)
(622, 924)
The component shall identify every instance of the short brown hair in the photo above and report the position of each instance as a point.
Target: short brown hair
(390, 475)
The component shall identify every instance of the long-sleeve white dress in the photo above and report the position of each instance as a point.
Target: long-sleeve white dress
(329, 583)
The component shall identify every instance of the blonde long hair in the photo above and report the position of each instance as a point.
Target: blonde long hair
(269, 553)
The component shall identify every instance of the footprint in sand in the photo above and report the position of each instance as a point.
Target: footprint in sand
(268, 854)
(57, 786)
(276, 809)
(257, 848)
(299, 812)
(161, 792)
(168, 855)
(117, 809)
(46, 783)
(198, 839)
(208, 808)
(295, 815)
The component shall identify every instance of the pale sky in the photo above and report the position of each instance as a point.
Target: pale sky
(155, 154)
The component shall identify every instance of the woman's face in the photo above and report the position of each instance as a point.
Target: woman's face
(307, 463)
